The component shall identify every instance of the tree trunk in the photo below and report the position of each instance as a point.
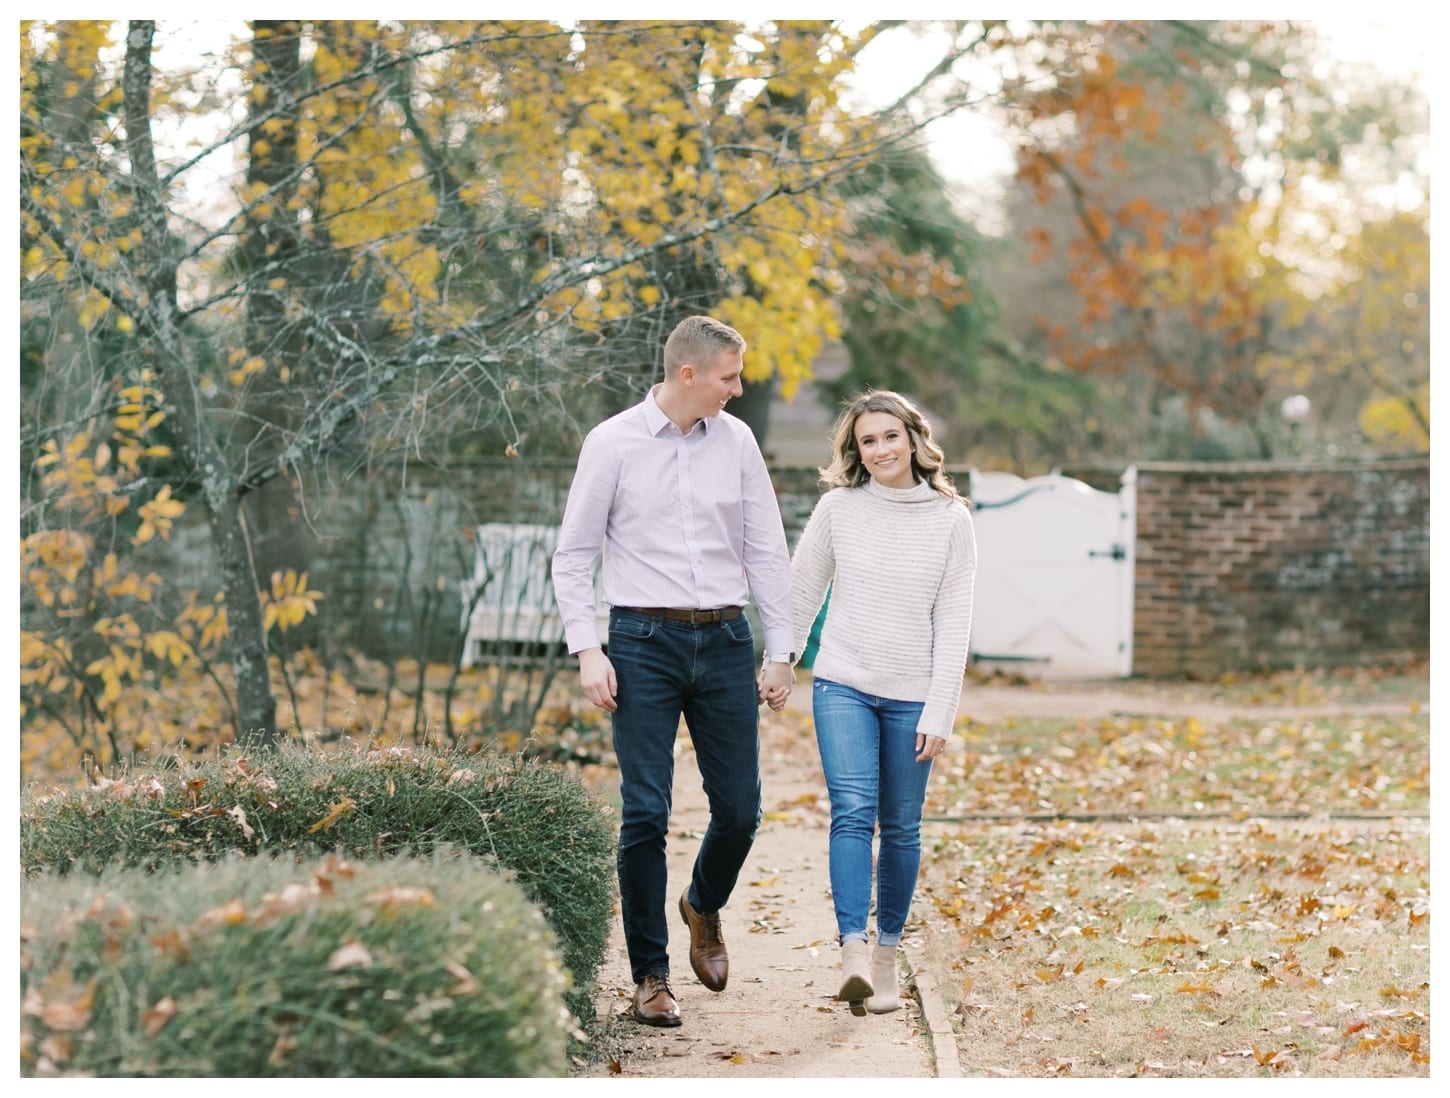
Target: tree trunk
(753, 406)
(280, 536)
(256, 704)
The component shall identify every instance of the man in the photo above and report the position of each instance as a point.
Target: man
(675, 495)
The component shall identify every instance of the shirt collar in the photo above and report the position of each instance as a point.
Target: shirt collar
(657, 421)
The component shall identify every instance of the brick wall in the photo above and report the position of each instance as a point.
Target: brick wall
(1265, 565)
(398, 547)
(1239, 566)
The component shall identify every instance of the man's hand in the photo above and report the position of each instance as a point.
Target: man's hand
(774, 684)
(596, 676)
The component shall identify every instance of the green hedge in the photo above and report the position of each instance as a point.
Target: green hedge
(261, 967)
(535, 820)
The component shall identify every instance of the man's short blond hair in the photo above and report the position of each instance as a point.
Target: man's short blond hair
(699, 340)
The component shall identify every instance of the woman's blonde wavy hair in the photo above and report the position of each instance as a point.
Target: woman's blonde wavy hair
(846, 469)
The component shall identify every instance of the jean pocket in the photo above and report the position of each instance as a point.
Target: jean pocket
(622, 623)
(738, 630)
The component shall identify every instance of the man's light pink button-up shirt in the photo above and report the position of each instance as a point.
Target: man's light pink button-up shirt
(686, 520)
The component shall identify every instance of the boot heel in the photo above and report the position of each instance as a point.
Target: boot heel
(855, 977)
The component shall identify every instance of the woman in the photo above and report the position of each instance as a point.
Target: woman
(893, 543)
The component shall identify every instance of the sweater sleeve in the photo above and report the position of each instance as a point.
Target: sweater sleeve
(951, 623)
(812, 568)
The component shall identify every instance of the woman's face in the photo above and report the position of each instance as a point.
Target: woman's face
(885, 448)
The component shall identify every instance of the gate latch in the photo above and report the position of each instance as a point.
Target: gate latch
(1117, 552)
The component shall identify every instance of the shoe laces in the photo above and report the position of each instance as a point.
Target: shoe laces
(653, 985)
(712, 929)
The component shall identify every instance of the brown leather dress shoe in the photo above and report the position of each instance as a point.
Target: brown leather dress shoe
(707, 947)
(654, 1002)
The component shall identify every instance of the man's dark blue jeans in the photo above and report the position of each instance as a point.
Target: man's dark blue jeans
(706, 672)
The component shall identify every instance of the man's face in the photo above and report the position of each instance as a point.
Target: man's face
(712, 385)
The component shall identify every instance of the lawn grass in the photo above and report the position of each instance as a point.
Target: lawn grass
(1178, 948)
(1345, 686)
(1189, 897)
(1369, 764)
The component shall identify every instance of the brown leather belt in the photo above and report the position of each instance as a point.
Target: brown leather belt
(694, 617)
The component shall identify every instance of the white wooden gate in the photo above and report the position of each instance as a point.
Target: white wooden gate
(1054, 590)
(510, 597)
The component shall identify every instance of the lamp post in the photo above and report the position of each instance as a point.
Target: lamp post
(1294, 410)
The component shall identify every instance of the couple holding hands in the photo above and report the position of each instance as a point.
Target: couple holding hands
(675, 495)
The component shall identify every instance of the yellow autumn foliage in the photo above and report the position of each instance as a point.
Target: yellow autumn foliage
(288, 602)
(626, 135)
(586, 162)
(105, 669)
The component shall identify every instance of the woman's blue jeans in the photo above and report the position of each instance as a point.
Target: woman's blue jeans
(868, 752)
(665, 669)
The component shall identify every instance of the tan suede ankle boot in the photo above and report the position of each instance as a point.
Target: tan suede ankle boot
(855, 976)
(885, 997)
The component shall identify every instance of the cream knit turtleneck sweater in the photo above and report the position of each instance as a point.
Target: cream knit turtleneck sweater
(900, 564)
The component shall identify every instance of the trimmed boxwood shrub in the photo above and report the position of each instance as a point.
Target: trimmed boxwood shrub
(262, 967)
(534, 820)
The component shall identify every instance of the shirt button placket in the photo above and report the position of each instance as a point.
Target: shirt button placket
(687, 509)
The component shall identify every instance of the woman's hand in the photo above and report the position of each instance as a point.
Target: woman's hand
(774, 684)
(929, 747)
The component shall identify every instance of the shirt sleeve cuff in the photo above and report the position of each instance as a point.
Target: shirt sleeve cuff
(778, 645)
(582, 636)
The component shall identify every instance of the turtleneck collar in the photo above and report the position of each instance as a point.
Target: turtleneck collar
(920, 492)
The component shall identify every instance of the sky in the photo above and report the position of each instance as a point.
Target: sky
(968, 147)
(973, 154)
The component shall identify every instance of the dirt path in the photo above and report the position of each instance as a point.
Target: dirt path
(778, 1018)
